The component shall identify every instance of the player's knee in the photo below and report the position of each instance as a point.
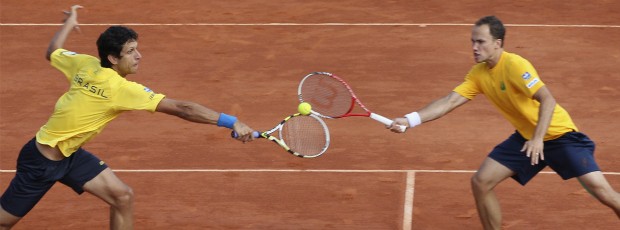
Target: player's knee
(123, 197)
(477, 183)
(481, 183)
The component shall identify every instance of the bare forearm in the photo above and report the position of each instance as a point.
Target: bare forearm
(59, 39)
(441, 107)
(434, 110)
(545, 113)
(70, 23)
(194, 112)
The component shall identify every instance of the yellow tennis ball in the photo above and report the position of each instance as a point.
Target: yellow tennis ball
(304, 108)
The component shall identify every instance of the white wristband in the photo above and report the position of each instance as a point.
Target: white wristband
(413, 119)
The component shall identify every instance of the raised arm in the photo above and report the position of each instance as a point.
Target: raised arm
(59, 39)
(432, 111)
(194, 112)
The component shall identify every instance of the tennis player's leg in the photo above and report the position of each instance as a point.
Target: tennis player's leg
(108, 187)
(490, 174)
(598, 186)
(575, 158)
(34, 176)
(7, 220)
(90, 174)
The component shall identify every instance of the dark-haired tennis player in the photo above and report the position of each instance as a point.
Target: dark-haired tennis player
(98, 93)
(545, 133)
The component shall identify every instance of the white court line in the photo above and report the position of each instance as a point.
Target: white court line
(408, 209)
(301, 170)
(279, 170)
(309, 24)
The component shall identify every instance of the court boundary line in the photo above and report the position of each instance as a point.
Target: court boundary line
(408, 206)
(315, 24)
(301, 170)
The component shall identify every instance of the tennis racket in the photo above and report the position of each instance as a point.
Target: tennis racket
(302, 136)
(331, 97)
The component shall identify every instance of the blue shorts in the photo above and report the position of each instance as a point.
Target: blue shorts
(35, 175)
(570, 155)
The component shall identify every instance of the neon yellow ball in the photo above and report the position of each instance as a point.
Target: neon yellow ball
(304, 108)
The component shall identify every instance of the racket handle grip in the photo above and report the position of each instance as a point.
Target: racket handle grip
(386, 121)
(234, 134)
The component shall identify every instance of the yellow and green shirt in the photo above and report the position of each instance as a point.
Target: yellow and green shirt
(96, 96)
(510, 86)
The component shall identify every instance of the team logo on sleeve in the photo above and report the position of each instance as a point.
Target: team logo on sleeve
(152, 94)
(532, 83)
(526, 76)
(69, 53)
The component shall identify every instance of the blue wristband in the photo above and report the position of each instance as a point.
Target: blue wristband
(226, 120)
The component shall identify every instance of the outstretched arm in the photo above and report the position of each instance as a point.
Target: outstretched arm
(194, 112)
(432, 111)
(59, 39)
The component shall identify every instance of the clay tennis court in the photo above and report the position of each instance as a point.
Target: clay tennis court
(246, 58)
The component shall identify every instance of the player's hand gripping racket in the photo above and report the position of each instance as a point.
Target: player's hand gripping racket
(332, 97)
(302, 136)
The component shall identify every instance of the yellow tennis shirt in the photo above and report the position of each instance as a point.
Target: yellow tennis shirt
(510, 86)
(96, 96)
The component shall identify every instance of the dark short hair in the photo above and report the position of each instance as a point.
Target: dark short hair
(111, 42)
(496, 27)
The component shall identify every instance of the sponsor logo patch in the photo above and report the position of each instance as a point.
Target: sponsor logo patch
(69, 53)
(526, 76)
(532, 83)
(146, 89)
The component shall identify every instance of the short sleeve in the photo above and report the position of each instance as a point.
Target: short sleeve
(468, 89)
(524, 77)
(68, 62)
(134, 96)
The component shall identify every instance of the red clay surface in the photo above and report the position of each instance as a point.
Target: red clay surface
(252, 71)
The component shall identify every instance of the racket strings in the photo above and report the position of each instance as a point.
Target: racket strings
(327, 95)
(305, 135)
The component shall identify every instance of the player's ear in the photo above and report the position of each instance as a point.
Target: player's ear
(112, 59)
(499, 42)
